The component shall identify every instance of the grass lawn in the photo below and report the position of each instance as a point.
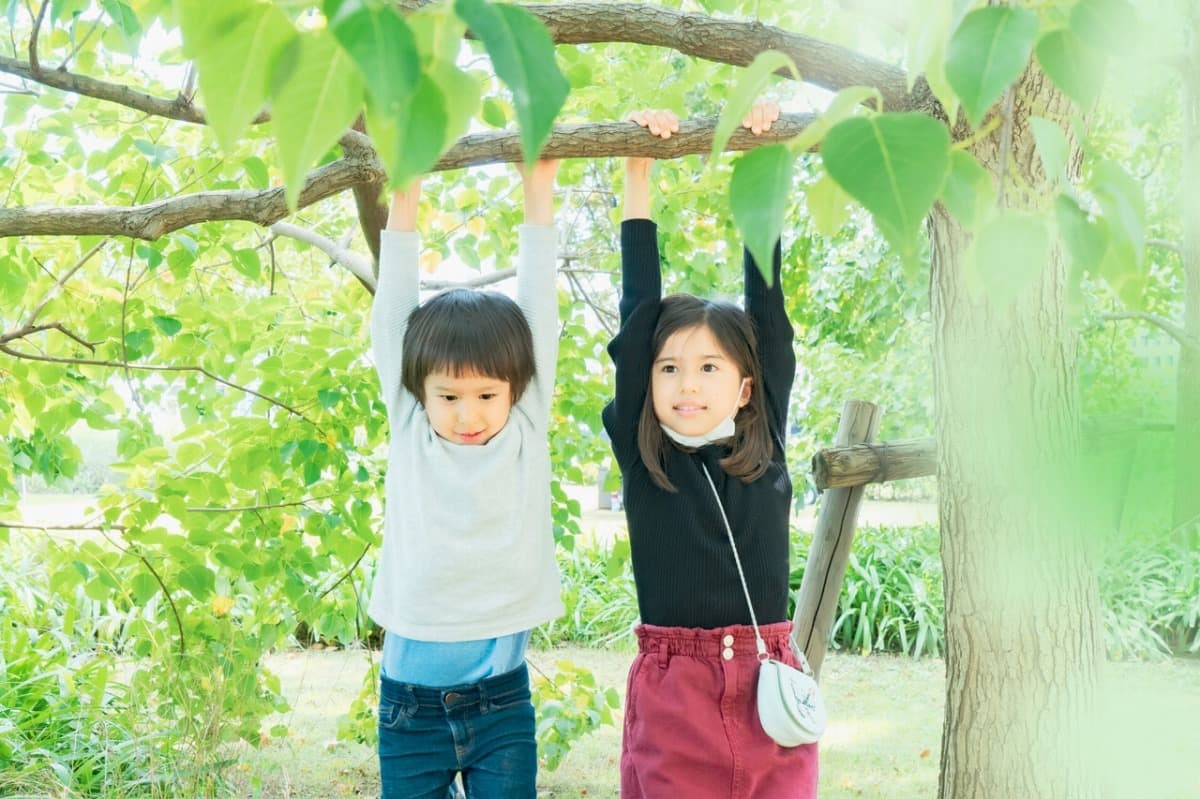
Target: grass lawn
(883, 740)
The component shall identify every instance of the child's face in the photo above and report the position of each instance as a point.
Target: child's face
(468, 408)
(696, 384)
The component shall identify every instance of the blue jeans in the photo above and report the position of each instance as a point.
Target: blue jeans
(485, 731)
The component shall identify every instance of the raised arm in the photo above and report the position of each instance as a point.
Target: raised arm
(536, 291)
(764, 305)
(641, 290)
(396, 294)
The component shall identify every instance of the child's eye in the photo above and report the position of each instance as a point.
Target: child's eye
(487, 396)
(668, 369)
(447, 397)
(708, 367)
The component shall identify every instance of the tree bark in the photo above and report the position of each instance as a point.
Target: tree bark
(843, 467)
(361, 166)
(725, 41)
(1021, 600)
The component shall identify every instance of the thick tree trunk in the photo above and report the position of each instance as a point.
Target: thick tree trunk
(1022, 608)
(1187, 394)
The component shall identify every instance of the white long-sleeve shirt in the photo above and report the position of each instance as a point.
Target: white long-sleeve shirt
(468, 549)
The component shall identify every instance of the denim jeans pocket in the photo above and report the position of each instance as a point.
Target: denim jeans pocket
(394, 714)
(510, 699)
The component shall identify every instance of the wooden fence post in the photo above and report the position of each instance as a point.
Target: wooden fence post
(827, 557)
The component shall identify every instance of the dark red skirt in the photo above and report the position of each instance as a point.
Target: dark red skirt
(691, 725)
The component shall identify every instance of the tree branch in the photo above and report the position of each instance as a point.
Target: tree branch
(354, 263)
(29, 329)
(725, 41)
(1163, 244)
(472, 283)
(29, 356)
(33, 37)
(1170, 328)
(179, 109)
(361, 165)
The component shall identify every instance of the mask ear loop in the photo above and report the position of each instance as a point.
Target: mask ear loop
(737, 403)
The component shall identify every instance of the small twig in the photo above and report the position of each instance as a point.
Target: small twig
(149, 368)
(33, 38)
(345, 575)
(30, 329)
(1170, 328)
(59, 527)
(1163, 244)
(87, 256)
(249, 508)
(79, 44)
(602, 314)
(161, 585)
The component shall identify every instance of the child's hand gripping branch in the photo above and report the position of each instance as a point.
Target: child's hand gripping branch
(662, 123)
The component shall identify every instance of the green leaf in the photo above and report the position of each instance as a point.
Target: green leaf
(1006, 256)
(328, 397)
(246, 261)
(894, 164)
(316, 94)
(523, 56)
(754, 79)
(845, 103)
(256, 170)
(1073, 66)
(168, 324)
(383, 48)
(138, 344)
(124, 17)
(198, 580)
(439, 33)
(1105, 25)
(1052, 147)
(410, 143)
(12, 283)
(463, 91)
(494, 113)
(827, 204)
(220, 33)
(1123, 202)
(988, 52)
(758, 198)
(968, 191)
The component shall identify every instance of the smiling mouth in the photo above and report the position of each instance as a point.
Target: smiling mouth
(470, 436)
(686, 410)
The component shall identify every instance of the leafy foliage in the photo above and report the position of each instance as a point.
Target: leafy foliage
(231, 363)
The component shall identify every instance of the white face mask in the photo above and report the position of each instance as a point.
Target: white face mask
(723, 430)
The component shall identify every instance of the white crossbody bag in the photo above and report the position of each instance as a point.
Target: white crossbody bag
(790, 708)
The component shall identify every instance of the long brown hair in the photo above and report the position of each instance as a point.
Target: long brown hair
(751, 445)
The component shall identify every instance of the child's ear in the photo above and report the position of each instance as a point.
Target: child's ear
(746, 391)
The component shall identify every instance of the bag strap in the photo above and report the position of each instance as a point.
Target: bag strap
(758, 639)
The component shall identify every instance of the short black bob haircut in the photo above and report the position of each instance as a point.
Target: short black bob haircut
(463, 331)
